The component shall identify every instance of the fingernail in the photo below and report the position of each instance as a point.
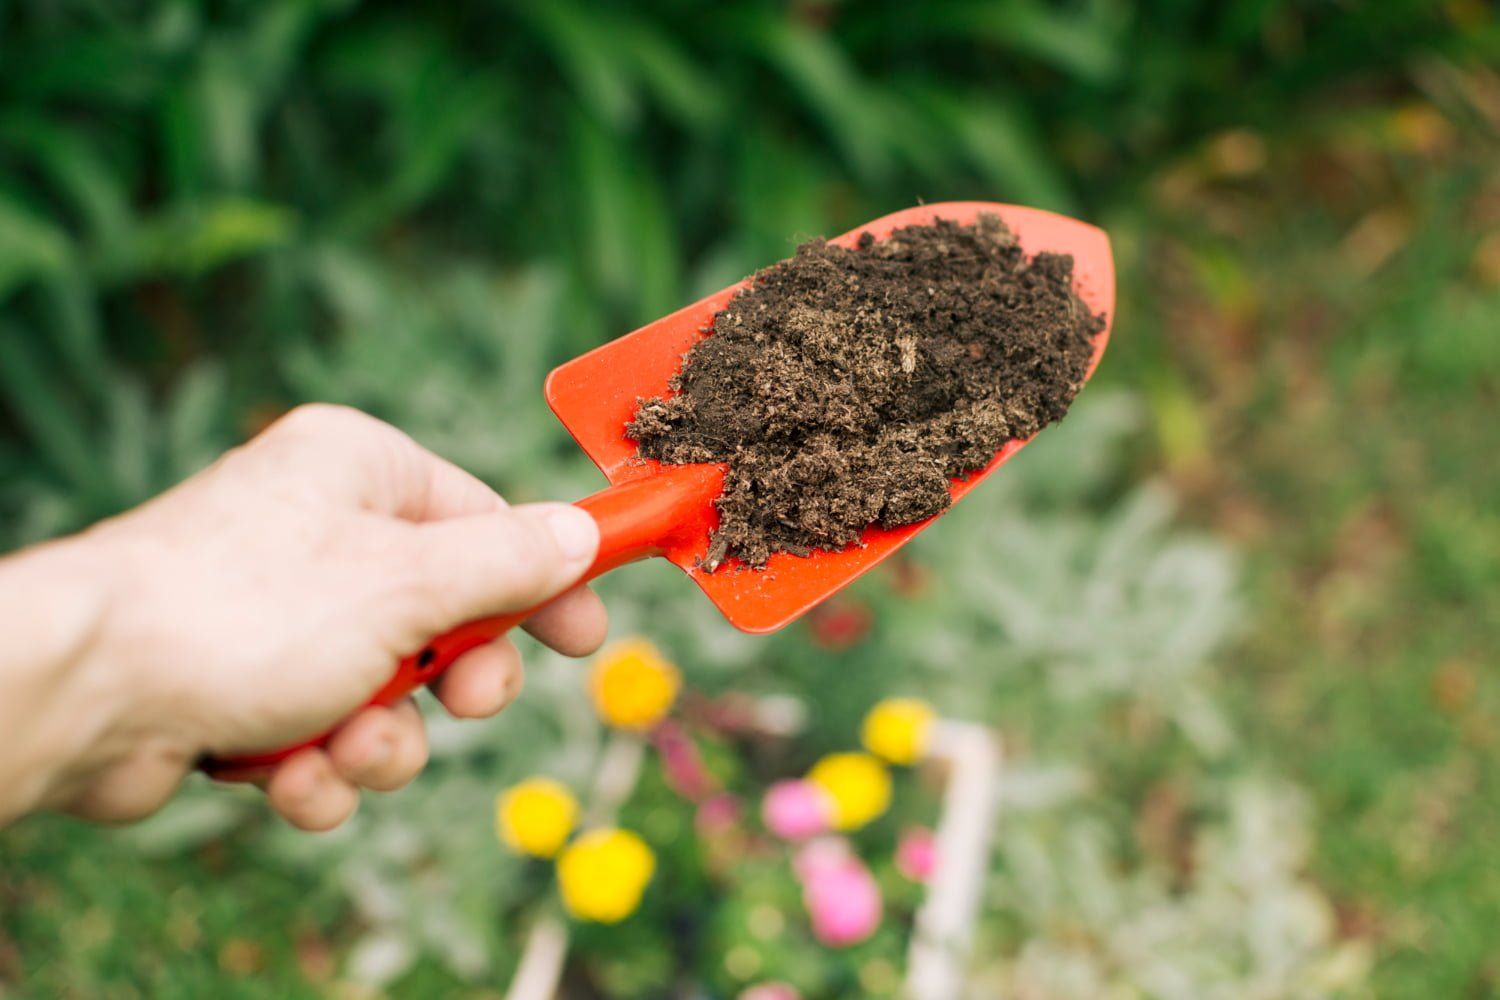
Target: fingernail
(576, 533)
(497, 694)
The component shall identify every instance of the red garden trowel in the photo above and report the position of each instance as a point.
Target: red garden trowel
(650, 509)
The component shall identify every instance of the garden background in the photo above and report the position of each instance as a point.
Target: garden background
(1235, 618)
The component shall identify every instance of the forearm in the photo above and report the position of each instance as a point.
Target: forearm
(61, 702)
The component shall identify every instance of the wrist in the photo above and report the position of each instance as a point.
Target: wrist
(68, 704)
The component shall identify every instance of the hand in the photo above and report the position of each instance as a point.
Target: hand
(267, 598)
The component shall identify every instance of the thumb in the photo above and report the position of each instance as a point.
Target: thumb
(508, 560)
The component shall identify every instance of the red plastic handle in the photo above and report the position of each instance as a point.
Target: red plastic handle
(640, 518)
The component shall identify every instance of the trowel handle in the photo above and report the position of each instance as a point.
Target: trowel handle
(640, 518)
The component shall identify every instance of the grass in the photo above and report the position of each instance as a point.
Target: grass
(84, 919)
(1331, 409)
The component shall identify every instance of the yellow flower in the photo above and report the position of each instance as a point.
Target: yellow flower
(898, 729)
(632, 685)
(536, 816)
(859, 785)
(603, 873)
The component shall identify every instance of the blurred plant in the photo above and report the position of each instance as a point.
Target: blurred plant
(185, 184)
(1231, 916)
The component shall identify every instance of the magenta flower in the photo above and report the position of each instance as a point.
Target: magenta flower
(796, 810)
(717, 816)
(916, 853)
(770, 991)
(843, 902)
(682, 765)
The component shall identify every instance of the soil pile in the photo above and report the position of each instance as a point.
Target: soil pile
(845, 388)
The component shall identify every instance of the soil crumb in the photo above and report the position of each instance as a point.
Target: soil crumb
(846, 388)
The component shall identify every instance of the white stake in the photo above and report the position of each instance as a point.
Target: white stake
(936, 963)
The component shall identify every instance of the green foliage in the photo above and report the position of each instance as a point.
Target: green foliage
(168, 170)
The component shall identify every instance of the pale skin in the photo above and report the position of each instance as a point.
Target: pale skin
(263, 601)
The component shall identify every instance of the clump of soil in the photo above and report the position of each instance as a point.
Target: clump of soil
(846, 388)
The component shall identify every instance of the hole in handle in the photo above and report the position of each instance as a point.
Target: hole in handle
(426, 658)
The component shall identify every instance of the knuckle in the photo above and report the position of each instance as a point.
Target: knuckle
(317, 419)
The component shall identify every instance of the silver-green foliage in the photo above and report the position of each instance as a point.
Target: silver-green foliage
(1055, 603)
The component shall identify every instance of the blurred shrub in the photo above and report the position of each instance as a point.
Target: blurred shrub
(183, 184)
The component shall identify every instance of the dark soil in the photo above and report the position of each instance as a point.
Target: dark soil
(846, 388)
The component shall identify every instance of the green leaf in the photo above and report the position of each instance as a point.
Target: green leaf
(438, 124)
(226, 105)
(70, 305)
(782, 197)
(434, 110)
(916, 137)
(108, 67)
(657, 260)
(1087, 47)
(77, 170)
(59, 432)
(851, 111)
(604, 195)
(128, 420)
(588, 50)
(1084, 41)
(274, 42)
(682, 88)
(31, 247)
(186, 160)
(999, 140)
(200, 237)
(195, 420)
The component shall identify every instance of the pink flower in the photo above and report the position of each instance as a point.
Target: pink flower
(821, 855)
(916, 853)
(717, 816)
(770, 991)
(796, 810)
(843, 902)
(681, 763)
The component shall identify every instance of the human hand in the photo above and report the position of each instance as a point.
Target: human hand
(267, 598)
